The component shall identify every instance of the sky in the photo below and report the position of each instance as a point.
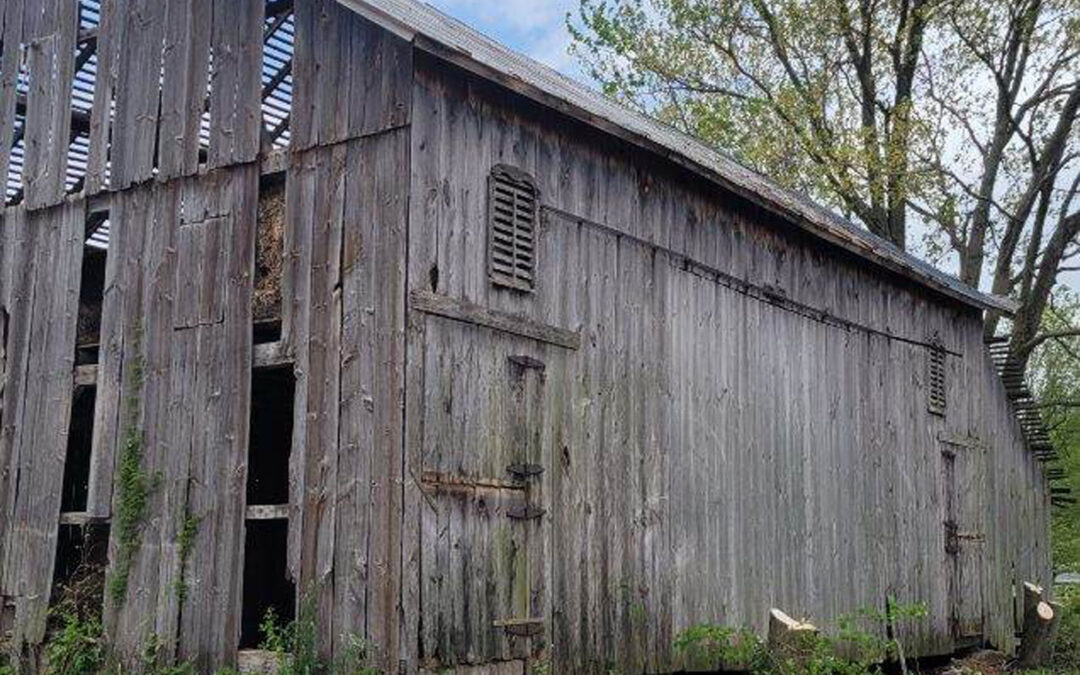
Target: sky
(533, 27)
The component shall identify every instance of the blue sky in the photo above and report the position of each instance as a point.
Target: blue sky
(533, 27)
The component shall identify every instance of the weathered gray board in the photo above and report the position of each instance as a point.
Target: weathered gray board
(174, 375)
(41, 253)
(38, 44)
(351, 78)
(745, 425)
(480, 417)
(344, 326)
(162, 65)
(50, 55)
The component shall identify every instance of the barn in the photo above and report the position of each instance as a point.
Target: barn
(341, 309)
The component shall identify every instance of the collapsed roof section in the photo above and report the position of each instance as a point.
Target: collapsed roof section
(456, 42)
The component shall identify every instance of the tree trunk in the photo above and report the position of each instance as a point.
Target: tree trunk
(790, 640)
(1038, 622)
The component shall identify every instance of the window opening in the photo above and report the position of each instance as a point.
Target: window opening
(272, 393)
(266, 579)
(81, 560)
(91, 292)
(79, 444)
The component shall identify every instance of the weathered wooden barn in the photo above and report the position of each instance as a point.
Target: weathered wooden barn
(342, 308)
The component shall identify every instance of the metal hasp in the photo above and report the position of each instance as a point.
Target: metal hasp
(524, 472)
(525, 512)
(521, 627)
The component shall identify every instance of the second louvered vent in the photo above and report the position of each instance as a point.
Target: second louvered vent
(512, 216)
(936, 376)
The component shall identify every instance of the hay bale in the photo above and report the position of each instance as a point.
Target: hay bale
(269, 253)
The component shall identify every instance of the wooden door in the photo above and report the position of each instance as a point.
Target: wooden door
(484, 457)
(964, 461)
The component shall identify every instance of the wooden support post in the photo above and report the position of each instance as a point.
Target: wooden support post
(789, 640)
(1038, 625)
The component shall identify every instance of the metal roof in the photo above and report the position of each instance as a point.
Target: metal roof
(448, 38)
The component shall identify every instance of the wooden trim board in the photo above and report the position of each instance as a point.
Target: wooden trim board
(467, 312)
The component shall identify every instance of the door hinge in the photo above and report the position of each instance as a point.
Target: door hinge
(954, 535)
(525, 512)
(526, 362)
(521, 627)
(523, 471)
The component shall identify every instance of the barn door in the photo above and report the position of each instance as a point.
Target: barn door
(964, 461)
(484, 458)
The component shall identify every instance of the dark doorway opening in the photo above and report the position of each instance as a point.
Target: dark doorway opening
(79, 445)
(91, 297)
(272, 392)
(266, 579)
(81, 559)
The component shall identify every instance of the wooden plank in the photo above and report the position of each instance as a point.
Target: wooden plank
(267, 512)
(19, 250)
(235, 91)
(321, 365)
(384, 159)
(137, 91)
(38, 438)
(10, 63)
(466, 312)
(124, 436)
(111, 30)
(217, 490)
(81, 519)
(377, 96)
(185, 79)
(51, 67)
(266, 356)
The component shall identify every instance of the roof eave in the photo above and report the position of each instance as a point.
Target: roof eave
(809, 217)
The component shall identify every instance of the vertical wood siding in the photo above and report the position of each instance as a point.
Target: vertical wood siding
(344, 327)
(175, 373)
(351, 77)
(39, 294)
(38, 45)
(159, 61)
(745, 426)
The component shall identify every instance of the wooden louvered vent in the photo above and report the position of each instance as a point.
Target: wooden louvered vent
(512, 219)
(936, 376)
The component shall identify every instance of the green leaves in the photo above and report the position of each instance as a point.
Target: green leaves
(856, 644)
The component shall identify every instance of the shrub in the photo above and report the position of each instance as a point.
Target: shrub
(77, 647)
(296, 647)
(851, 650)
(1067, 643)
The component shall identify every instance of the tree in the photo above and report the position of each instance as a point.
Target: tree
(1055, 371)
(959, 116)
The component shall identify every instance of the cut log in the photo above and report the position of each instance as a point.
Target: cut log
(790, 640)
(1038, 624)
(1047, 654)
